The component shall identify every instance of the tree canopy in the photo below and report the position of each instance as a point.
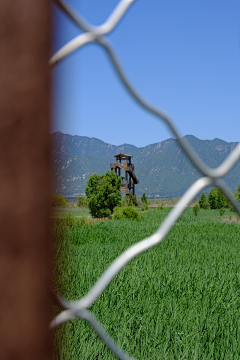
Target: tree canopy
(103, 193)
(217, 199)
(58, 200)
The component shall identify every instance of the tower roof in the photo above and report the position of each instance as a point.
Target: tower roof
(122, 155)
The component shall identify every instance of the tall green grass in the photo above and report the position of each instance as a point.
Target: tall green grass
(179, 300)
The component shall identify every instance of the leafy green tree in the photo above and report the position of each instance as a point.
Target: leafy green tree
(212, 198)
(81, 200)
(217, 199)
(203, 201)
(196, 209)
(222, 200)
(58, 200)
(144, 198)
(103, 193)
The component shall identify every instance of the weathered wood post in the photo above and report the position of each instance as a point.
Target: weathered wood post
(24, 180)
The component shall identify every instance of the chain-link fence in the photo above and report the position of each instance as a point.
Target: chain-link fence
(211, 176)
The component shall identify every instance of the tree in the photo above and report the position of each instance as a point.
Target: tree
(144, 198)
(217, 199)
(203, 201)
(212, 198)
(58, 200)
(81, 200)
(103, 193)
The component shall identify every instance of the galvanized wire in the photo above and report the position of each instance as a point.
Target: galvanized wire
(78, 309)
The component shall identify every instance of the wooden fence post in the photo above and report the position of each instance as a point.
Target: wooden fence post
(24, 180)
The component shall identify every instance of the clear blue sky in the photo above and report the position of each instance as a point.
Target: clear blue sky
(182, 55)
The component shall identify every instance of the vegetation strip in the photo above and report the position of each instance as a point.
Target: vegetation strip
(178, 300)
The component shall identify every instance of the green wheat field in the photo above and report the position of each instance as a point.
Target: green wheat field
(179, 300)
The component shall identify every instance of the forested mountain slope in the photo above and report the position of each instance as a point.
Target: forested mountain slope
(162, 169)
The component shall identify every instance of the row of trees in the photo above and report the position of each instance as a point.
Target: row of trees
(216, 199)
(103, 195)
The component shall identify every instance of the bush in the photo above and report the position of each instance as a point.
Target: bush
(144, 198)
(130, 199)
(144, 207)
(160, 207)
(103, 194)
(124, 201)
(196, 209)
(58, 200)
(135, 203)
(127, 212)
(222, 211)
(70, 221)
(203, 201)
(82, 201)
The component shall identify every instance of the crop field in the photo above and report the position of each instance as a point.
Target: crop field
(179, 300)
(74, 211)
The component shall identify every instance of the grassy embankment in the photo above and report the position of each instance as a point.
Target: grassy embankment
(179, 300)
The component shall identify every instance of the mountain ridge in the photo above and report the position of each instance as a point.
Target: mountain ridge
(162, 168)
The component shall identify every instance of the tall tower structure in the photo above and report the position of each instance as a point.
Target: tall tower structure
(129, 180)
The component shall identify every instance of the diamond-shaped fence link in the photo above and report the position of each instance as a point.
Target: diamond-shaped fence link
(78, 309)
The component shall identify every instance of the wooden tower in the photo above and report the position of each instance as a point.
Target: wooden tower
(129, 180)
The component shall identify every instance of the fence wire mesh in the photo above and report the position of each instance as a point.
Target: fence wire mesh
(78, 309)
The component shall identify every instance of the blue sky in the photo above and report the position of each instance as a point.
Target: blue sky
(181, 55)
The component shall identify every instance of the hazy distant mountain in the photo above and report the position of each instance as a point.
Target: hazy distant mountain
(162, 169)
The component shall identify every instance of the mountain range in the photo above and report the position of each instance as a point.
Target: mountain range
(162, 168)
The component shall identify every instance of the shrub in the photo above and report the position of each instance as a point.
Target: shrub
(103, 193)
(135, 203)
(67, 220)
(130, 199)
(124, 201)
(144, 198)
(70, 221)
(144, 207)
(196, 209)
(222, 211)
(127, 212)
(82, 201)
(58, 200)
(203, 201)
(160, 207)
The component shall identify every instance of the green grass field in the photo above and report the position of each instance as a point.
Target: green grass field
(75, 211)
(179, 300)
